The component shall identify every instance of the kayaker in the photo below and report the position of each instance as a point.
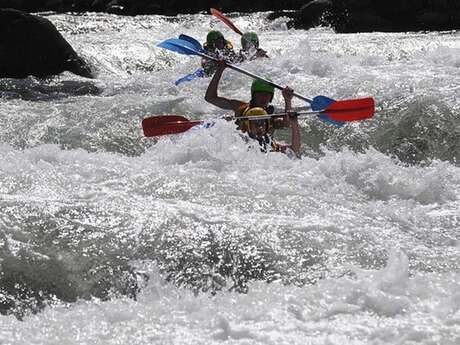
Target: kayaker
(217, 46)
(250, 47)
(261, 96)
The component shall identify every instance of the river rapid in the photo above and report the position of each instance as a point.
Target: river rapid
(108, 237)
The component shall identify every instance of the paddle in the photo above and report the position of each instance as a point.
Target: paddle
(318, 103)
(166, 124)
(182, 46)
(174, 124)
(218, 14)
(191, 40)
(199, 73)
(227, 21)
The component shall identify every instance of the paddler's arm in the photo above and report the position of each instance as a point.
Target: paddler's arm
(287, 93)
(211, 93)
(260, 53)
(291, 120)
(295, 134)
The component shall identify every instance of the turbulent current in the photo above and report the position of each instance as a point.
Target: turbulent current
(108, 237)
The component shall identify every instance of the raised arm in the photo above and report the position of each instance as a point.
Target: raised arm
(211, 93)
(291, 120)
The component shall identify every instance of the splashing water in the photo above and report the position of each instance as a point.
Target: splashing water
(198, 238)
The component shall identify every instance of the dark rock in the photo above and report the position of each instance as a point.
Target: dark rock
(142, 7)
(134, 7)
(68, 5)
(115, 7)
(434, 20)
(31, 45)
(311, 14)
(99, 5)
(23, 5)
(342, 15)
(364, 21)
(383, 15)
(277, 14)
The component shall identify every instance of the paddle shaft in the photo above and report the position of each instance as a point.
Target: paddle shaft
(268, 116)
(339, 114)
(252, 75)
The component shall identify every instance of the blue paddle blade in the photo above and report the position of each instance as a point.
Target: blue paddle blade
(326, 119)
(321, 102)
(199, 73)
(178, 46)
(191, 40)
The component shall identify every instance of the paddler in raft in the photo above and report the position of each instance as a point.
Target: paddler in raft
(217, 46)
(259, 130)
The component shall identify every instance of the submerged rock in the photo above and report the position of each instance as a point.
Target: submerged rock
(31, 45)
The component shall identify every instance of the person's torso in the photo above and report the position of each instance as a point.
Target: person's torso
(266, 143)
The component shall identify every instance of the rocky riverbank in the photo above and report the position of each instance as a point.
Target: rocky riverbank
(136, 7)
(342, 15)
(378, 15)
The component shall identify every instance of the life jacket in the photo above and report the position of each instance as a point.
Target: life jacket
(227, 52)
(266, 143)
(244, 55)
(227, 48)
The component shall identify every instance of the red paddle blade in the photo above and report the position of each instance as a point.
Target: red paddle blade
(351, 110)
(163, 119)
(227, 21)
(166, 124)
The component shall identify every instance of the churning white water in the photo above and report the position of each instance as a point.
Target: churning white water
(108, 237)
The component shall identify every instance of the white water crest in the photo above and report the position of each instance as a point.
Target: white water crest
(110, 237)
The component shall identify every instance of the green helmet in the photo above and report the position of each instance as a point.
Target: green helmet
(249, 38)
(213, 36)
(261, 86)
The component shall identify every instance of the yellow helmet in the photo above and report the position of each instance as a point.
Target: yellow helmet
(256, 111)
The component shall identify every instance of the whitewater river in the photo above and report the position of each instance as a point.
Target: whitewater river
(108, 237)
